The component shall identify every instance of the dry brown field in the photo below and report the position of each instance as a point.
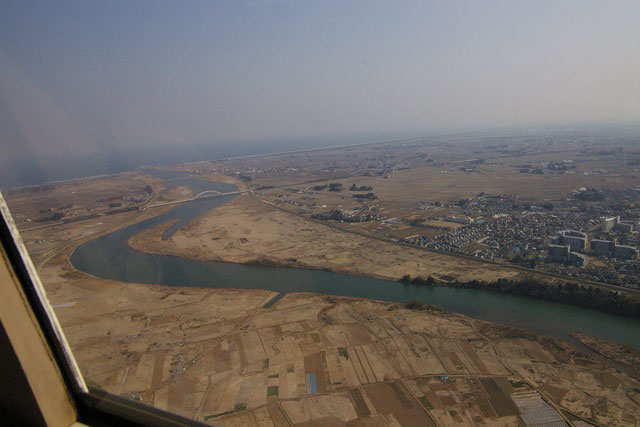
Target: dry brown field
(86, 194)
(432, 184)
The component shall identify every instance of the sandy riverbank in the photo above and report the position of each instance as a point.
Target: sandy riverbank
(246, 230)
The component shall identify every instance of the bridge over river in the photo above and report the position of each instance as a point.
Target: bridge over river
(201, 196)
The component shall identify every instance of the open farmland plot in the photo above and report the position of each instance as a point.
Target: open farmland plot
(500, 401)
(331, 409)
(458, 400)
(394, 399)
(341, 370)
(416, 351)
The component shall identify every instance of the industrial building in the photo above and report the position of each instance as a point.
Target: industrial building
(609, 224)
(625, 252)
(615, 224)
(610, 248)
(602, 247)
(569, 246)
(558, 253)
(562, 254)
(577, 259)
(626, 227)
(576, 240)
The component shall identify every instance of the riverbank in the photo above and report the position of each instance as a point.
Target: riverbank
(624, 357)
(566, 293)
(247, 231)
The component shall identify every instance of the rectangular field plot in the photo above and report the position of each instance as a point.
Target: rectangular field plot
(394, 399)
(464, 401)
(327, 409)
(416, 351)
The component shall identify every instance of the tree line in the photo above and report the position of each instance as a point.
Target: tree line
(568, 293)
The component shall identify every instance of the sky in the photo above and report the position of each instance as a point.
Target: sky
(94, 77)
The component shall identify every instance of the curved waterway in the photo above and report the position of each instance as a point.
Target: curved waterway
(110, 257)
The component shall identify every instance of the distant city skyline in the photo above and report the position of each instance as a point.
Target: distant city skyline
(89, 78)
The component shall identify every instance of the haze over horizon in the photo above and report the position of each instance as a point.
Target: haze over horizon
(81, 78)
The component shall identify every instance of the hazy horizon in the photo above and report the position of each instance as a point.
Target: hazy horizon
(110, 79)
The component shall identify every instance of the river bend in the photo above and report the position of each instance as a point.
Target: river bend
(110, 257)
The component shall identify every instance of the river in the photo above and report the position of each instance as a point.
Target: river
(110, 257)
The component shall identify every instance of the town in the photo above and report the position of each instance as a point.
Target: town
(550, 190)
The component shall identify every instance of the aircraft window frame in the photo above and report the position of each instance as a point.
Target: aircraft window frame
(94, 406)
